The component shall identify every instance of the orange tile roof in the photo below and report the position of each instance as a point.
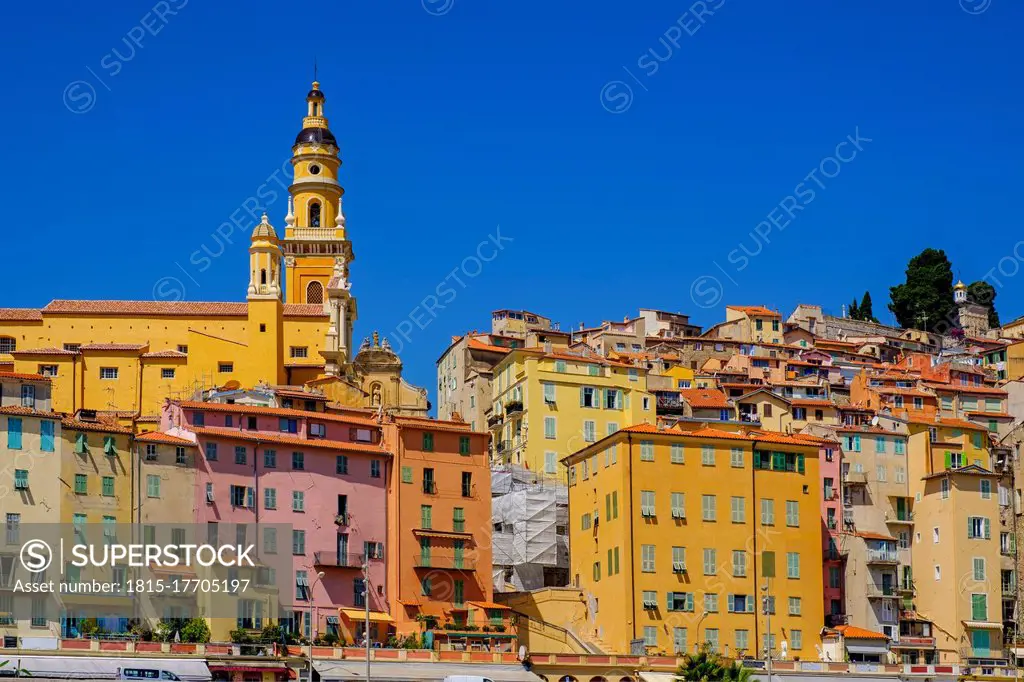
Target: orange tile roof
(20, 314)
(163, 438)
(169, 353)
(754, 310)
(642, 428)
(997, 415)
(480, 345)
(821, 440)
(875, 536)
(113, 346)
(298, 393)
(104, 427)
(854, 632)
(429, 423)
(945, 421)
(866, 429)
(709, 432)
(986, 390)
(235, 408)
(295, 441)
(27, 411)
(893, 390)
(21, 375)
(172, 308)
(777, 438)
(704, 398)
(44, 351)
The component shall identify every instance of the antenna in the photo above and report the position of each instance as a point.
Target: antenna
(314, 66)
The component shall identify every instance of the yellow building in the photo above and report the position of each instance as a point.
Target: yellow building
(295, 325)
(677, 536)
(749, 324)
(547, 405)
(956, 552)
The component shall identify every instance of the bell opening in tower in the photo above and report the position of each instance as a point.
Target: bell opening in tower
(314, 214)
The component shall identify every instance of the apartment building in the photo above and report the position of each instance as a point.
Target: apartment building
(567, 400)
(681, 537)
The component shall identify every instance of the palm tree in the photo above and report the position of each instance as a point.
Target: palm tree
(737, 672)
(703, 666)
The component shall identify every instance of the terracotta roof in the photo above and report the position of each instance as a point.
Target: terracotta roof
(704, 398)
(172, 308)
(894, 390)
(875, 536)
(777, 438)
(945, 421)
(427, 422)
(21, 375)
(967, 389)
(295, 441)
(473, 342)
(708, 432)
(148, 419)
(854, 632)
(20, 314)
(44, 351)
(867, 429)
(113, 346)
(754, 310)
(821, 440)
(164, 438)
(165, 354)
(275, 412)
(27, 411)
(105, 427)
(995, 415)
(642, 428)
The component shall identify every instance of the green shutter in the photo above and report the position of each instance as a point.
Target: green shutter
(581, 396)
(80, 443)
(607, 507)
(463, 445)
(800, 463)
(108, 445)
(949, 459)
(970, 528)
(768, 564)
(406, 474)
(988, 529)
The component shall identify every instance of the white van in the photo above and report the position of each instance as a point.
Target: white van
(145, 674)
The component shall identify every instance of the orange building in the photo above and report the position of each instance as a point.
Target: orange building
(439, 534)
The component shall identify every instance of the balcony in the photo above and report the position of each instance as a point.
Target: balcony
(876, 591)
(494, 419)
(883, 557)
(902, 517)
(513, 408)
(335, 560)
(913, 642)
(1009, 590)
(855, 478)
(1006, 550)
(503, 446)
(834, 619)
(343, 519)
(313, 233)
(832, 524)
(429, 488)
(446, 562)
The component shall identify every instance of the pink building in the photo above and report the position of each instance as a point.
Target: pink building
(322, 474)
(830, 456)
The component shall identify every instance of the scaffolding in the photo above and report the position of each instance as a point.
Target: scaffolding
(530, 539)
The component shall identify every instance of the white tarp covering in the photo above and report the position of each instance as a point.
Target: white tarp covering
(97, 668)
(393, 671)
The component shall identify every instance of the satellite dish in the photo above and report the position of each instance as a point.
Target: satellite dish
(874, 421)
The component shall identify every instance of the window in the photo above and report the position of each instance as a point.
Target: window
(647, 503)
(560, 366)
(425, 516)
(81, 484)
(467, 484)
(710, 602)
(792, 513)
(550, 462)
(710, 561)
(299, 351)
(108, 486)
(428, 441)
(880, 473)
(299, 542)
(588, 397)
(794, 606)
(736, 457)
(679, 601)
(464, 445)
(979, 607)
(46, 429)
(708, 508)
(796, 640)
(650, 635)
(647, 451)
(270, 498)
(767, 512)
(986, 489)
(374, 468)
(549, 427)
(48, 370)
(647, 558)
(678, 505)
(286, 425)
(14, 433)
(167, 373)
(298, 501)
(240, 454)
(900, 446)
(21, 479)
(612, 399)
(108, 372)
(677, 455)
(679, 641)
(225, 367)
(979, 527)
(678, 559)
(979, 568)
(315, 430)
(589, 431)
(301, 586)
(739, 563)
(793, 565)
(549, 392)
(298, 461)
(945, 488)
(28, 395)
(739, 509)
(707, 455)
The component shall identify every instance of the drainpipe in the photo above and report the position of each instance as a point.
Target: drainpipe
(632, 573)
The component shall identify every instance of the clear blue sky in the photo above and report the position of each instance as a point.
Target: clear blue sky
(476, 114)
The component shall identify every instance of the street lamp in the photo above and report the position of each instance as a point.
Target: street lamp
(312, 632)
(699, 621)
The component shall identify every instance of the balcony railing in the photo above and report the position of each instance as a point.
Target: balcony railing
(343, 519)
(430, 487)
(1009, 589)
(494, 419)
(513, 407)
(834, 619)
(899, 517)
(313, 233)
(855, 478)
(881, 591)
(335, 560)
(446, 561)
(881, 556)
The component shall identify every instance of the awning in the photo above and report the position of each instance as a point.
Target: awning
(95, 667)
(248, 667)
(490, 605)
(359, 614)
(657, 677)
(355, 669)
(982, 625)
(430, 533)
(871, 649)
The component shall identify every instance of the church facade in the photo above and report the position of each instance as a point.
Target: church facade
(294, 328)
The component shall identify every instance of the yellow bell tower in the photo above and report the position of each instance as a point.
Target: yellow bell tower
(315, 246)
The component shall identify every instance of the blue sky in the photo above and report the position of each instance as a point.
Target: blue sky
(634, 153)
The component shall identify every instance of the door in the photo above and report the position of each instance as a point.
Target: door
(343, 550)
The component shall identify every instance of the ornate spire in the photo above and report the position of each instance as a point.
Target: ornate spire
(289, 219)
(339, 220)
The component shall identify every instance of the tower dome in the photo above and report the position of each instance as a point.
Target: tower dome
(264, 230)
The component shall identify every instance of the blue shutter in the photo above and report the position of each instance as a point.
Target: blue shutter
(14, 433)
(46, 435)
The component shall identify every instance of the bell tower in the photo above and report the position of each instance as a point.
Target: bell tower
(314, 236)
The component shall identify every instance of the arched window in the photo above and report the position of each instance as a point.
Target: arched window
(8, 344)
(314, 292)
(314, 214)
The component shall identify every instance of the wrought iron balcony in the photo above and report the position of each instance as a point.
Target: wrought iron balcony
(446, 562)
(335, 560)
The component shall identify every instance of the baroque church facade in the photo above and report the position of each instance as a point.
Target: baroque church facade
(295, 327)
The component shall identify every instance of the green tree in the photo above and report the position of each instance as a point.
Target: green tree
(865, 311)
(983, 293)
(708, 666)
(925, 299)
(196, 631)
(854, 312)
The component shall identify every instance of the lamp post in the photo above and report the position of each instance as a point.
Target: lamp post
(312, 632)
(699, 621)
(768, 616)
(366, 603)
